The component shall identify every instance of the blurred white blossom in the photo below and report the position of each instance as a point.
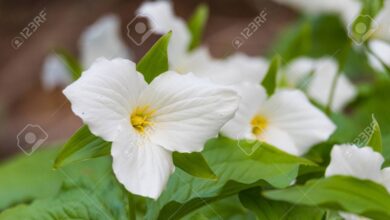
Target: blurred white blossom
(316, 77)
(54, 73)
(102, 39)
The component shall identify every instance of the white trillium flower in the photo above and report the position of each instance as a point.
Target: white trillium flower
(382, 50)
(234, 69)
(102, 39)
(54, 73)
(145, 123)
(286, 120)
(380, 43)
(362, 163)
(316, 77)
(382, 31)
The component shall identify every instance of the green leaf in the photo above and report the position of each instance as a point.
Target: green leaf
(193, 164)
(362, 197)
(83, 145)
(274, 210)
(375, 140)
(70, 62)
(196, 25)
(371, 7)
(261, 151)
(155, 61)
(236, 171)
(227, 208)
(312, 36)
(269, 81)
(26, 178)
(72, 203)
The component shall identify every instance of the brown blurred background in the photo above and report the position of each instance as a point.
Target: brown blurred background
(22, 99)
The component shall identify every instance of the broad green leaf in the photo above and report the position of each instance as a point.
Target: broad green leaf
(371, 7)
(227, 208)
(375, 140)
(70, 62)
(26, 178)
(193, 164)
(155, 61)
(269, 81)
(261, 151)
(83, 145)
(236, 170)
(313, 36)
(73, 203)
(196, 25)
(348, 194)
(273, 210)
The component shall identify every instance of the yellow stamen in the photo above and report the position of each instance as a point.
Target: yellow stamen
(259, 124)
(141, 117)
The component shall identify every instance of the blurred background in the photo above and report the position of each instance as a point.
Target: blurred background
(23, 100)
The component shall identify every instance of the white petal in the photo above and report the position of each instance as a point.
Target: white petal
(251, 69)
(350, 216)
(105, 94)
(350, 160)
(198, 62)
(320, 86)
(382, 20)
(141, 166)
(298, 69)
(292, 112)
(280, 139)
(202, 64)
(386, 178)
(189, 110)
(55, 73)
(162, 19)
(102, 39)
(382, 50)
(252, 97)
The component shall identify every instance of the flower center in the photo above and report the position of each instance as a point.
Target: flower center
(141, 117)
(259, 124)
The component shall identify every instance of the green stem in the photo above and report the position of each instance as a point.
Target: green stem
(132, 208)
(342, 61)
(332, 93)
